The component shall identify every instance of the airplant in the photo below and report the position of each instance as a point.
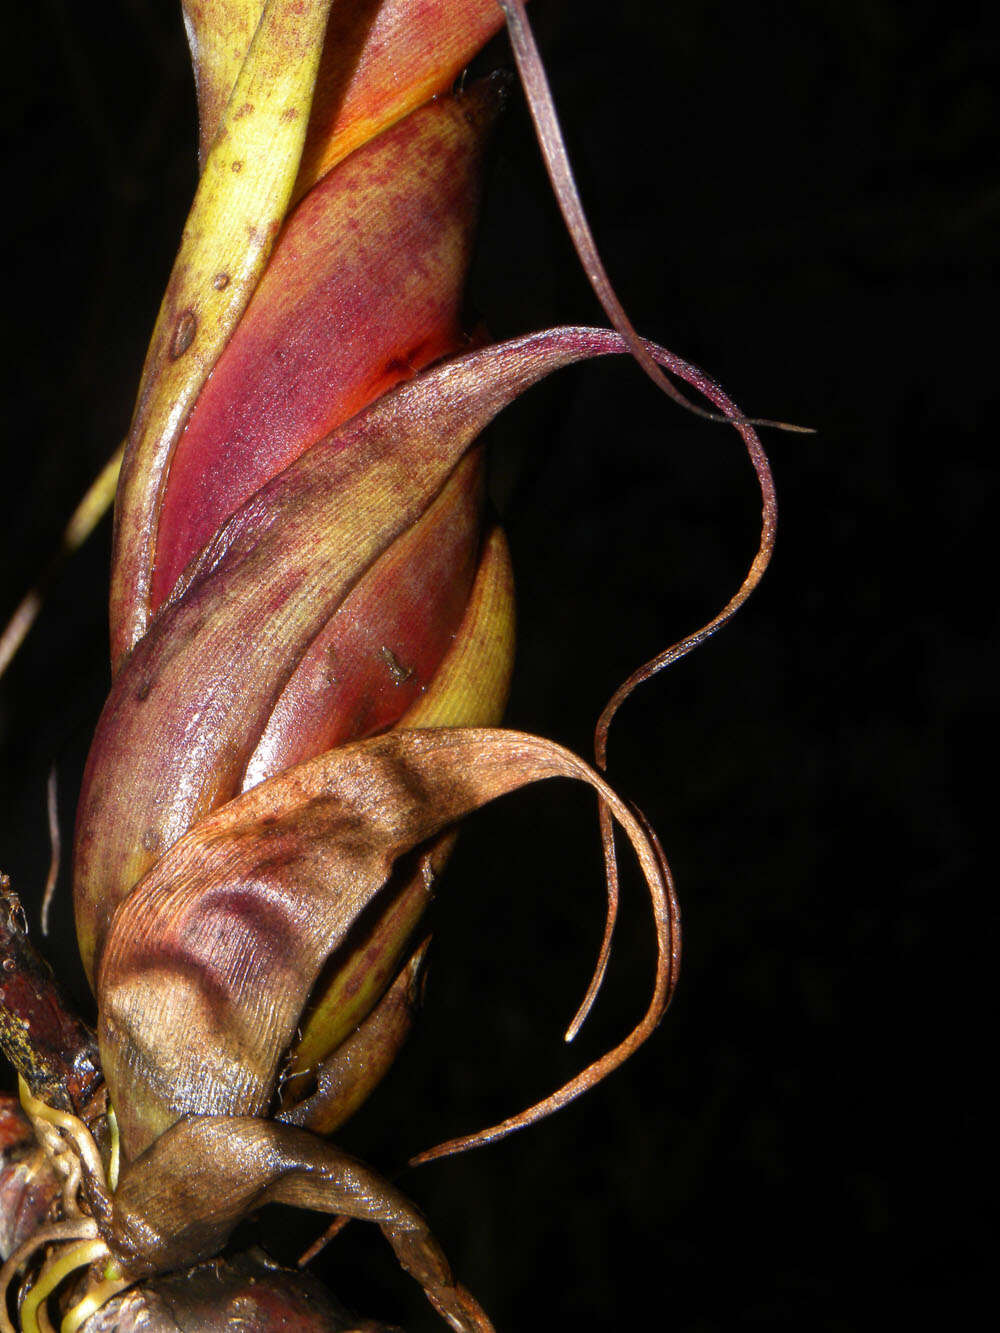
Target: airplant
(311, 641)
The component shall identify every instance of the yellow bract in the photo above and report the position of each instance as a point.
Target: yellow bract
(469, 689)
(471, 685)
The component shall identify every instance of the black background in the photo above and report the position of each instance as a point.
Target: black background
(800, 197)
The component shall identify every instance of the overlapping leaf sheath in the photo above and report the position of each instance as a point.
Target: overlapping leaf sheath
(238, 209)
(312, 626)
(362, 289)
(187, 712)
(306, 570)
(226, 935)
(253, 900)
(256, 67)
(312, 629)
(381, 59)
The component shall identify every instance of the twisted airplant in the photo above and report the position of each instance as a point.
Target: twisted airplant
(311, 641)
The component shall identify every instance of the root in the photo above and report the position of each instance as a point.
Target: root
(86, 1229)
(55, 1272)
(75, 1157)
(115, 1162)
(92, 1302)
(50, 1125)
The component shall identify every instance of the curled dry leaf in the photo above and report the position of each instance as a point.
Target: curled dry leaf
(211, 959)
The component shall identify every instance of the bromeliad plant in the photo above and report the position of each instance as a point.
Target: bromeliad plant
(311, 640)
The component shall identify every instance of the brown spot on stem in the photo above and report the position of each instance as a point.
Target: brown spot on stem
(184, 331)
(289, 114)
(236, 165)
(242, 111)
(220, 281)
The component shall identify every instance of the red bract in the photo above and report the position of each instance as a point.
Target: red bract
(363, 289)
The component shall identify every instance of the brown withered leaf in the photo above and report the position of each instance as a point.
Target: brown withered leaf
(181, 1200)
(211, 958)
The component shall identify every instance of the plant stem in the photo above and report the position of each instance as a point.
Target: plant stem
(49, 1046)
